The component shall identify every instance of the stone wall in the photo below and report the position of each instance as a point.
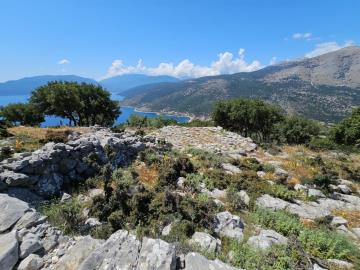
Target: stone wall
(46, 170)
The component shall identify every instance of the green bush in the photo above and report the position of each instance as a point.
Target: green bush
(67, 216)
(6, 152)
(192, 182)
(348, 131)
(249, 117)
(329, 245)
(22, 113)
(279, 221)
(297, 130)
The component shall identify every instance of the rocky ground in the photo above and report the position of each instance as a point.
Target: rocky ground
(28, 240)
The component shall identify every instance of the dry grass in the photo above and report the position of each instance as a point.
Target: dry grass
(38, 133)
(147, 175)
(352, 216)
(32, 138)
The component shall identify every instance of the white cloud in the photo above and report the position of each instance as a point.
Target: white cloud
(327, 47)
(225, 64)
(307, 36)
(63, 62)
(273, 60)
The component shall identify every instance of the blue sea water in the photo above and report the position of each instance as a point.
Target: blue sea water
(125, 112)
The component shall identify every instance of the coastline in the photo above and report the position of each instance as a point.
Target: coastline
(162, 113)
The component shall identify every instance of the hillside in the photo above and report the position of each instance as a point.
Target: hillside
(24, 86)
(127, 81)
(176, 198)
(324, 87)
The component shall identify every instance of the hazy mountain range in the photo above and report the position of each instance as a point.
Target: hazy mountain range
(115, 84)
(325, 87)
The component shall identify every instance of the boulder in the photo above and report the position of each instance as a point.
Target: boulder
(356, 231)
(30, 244)
(338, 221)
(229, 225)
(281, 173)
(118, 252)
(269, 202)
(65, 197)
(166, 230)
(156, 254)
(92, 222)
(31, 262)
(9, 250)
(315, 193)
(206, 242)
(341, 264)
(77, 254)
(11, 210)
(195, 261)
(50, 185)
(244, 197)
(266, 238)
(14, 179)
(29, 219)
(344, 189)
(230, 168)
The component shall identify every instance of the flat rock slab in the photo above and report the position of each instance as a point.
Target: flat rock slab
(195, 261)
(75, 255)
(212, 139)
(11, 210)
(9, 250)
(124, 251)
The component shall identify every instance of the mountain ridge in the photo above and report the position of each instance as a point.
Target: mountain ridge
(325, 87)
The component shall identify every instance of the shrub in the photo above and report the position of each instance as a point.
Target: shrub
(22, 113)
(249, 117)
(279, 221)
(297, 130)
(348, 131)
(6, 152)
(56, 136)
(328, 245)
(192, 182)
(67, 216)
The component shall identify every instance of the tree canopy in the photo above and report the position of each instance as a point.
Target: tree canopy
(249, 117)
(22, 113)
(83, 104)
(348, 131)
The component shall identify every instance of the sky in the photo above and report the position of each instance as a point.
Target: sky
(183, 38)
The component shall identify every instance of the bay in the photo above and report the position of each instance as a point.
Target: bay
(124, 116)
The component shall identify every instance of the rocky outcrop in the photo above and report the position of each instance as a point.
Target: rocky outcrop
(229, 225)
(54, 165)
(196, 261)
(323, 207)
(212, 139)
(266, 238)
(206, 242)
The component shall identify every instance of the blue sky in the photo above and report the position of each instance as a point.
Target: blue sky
(99, 39)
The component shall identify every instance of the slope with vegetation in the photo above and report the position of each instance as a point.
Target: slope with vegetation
(290, 201)
(323, 88)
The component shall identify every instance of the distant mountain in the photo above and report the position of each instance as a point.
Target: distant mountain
(24, 86)
(124, 82)
(325, 87)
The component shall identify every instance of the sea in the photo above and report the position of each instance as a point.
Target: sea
(125, 112)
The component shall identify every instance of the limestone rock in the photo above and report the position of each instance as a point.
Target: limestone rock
(31, 262)
(11, 210)
(156, 254)
(30, 219)
(30, 244)
(195, 261)
(338, 221)
(266, 239)
(77, 254)
(341, 264)
(229, 225)
(9, 253)
(230, 168)
(315, 193)
(166, 230)
(206, 242)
